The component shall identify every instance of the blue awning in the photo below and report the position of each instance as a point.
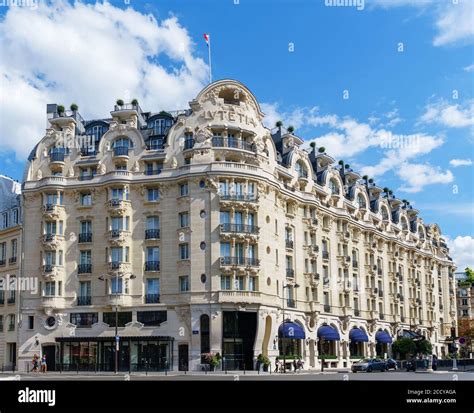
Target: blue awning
(356, 334)
(328, 333)
(291, 330)
(383, 337)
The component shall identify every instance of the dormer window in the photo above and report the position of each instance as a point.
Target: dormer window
(384, 214)
(404, 224)
(333, 187)
(301, 170)
(160, 126)
(361, 201)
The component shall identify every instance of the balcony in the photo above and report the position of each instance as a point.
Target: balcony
(118, 265)
(52, 211)
(189, 143)
(290, 273)
(239, 296)
(238, 197)
(56, 157)
(84, 269)
(152, 298)
(157, 146)
(325, 255)
(12, 260)
(84, 300)
(150, 172)
(118, 206)
(327, 308)
(121, 152)
(152, 266)
(240, 261)
(232, 143)
(117, 236)
(52, 302)
(289, 244)
(52, 241)
(49, 268)
(152, 234)
(239, 228)
(290, 303)
(88, 152)
(85, 237)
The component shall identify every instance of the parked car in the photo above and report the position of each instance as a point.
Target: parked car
(391, 364)
(369, 365)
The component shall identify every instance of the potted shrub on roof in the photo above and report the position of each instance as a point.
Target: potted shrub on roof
(134, 102)
(291, 129)
(322, 149)
(74, 107)
(60, 109)
(119, 102)
(279, 124)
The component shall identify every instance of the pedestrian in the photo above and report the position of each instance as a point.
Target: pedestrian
(295, 365)
(300, 364)
(435, 362)
(277, 365)
(44, 366)
(35, 363)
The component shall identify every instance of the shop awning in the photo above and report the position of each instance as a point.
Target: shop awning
(328, 333)
(383, 337)
(358, 335)
(291, 330)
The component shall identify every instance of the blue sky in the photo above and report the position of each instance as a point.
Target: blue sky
(408, 71)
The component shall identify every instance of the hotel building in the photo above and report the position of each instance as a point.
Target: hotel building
(209, 232)
(10, 253)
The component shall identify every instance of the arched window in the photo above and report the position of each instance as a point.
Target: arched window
(122, 143)
(404, 224)
(160, 126)
(205, 342)
(301, 170)
(333, 187)
(361, 201)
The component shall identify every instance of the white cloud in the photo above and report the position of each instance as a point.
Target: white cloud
(417, 176)
(450, 115)
(453, 19)
(460, 162)
(461, 249)
(64, 53)
(469, 68)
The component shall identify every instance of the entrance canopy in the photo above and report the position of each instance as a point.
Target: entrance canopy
(358, 335)
(291, 330)
(328, 333)
(383, 337)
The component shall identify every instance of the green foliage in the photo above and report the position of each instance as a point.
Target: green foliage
(322, 149)
(61, 109)
(279, 124)
(290, 129)
(469, 274)
(119, 102)
(404, 346)
(74, 107)
(134, 102)
(312, 144)
(424, 347)
(263, 360)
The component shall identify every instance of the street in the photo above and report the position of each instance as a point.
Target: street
(239, 375)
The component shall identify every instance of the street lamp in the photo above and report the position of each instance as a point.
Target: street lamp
(283, 311)
(117, 338)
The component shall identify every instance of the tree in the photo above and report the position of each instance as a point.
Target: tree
(424, 347)
(404, 346)
(469, 274)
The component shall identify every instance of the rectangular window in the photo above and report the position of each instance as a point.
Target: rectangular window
(116, 285)
(225, 217)
(184, 251)
(153, 194)
(31, 322)
(49, 289)
(86, 257)
(84, 319)
(86, 199)
(84, 289)
(183, 219)
(15, 215)
(240, 283)
(184, 283)
(123, 317)
(116, 254)
(183, 189)
(3, 252)
(153, 254)
(252, 283)
(153, 286)
(153, 222)
(225, 249)
(152, 318)
(225, 282)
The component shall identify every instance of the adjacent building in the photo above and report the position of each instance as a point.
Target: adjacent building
(210, 233)
(10, 253)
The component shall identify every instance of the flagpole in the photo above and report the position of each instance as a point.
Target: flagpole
(210, 66)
